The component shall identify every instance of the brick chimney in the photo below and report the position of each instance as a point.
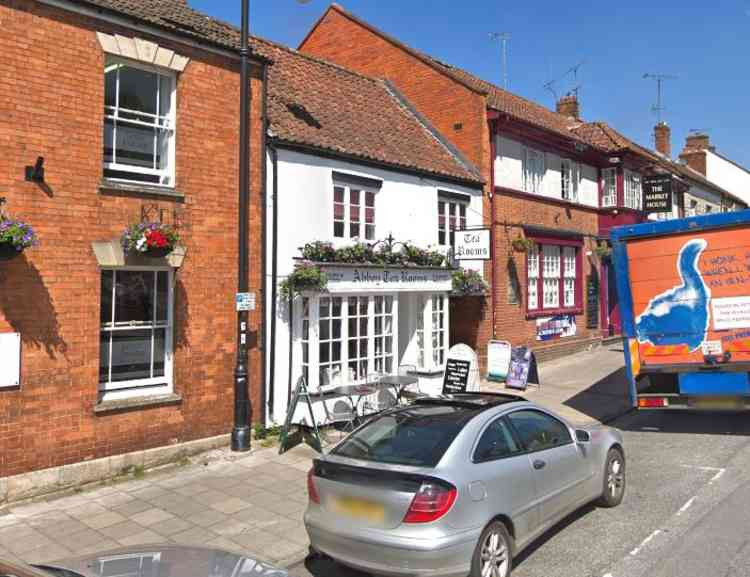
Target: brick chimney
(663, 139)
(694, 153)
(568, 106)
(697, 141)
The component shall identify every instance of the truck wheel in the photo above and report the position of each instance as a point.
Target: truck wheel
(614, 479)
(493, 555)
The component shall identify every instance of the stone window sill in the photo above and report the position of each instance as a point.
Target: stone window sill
(107, 186)
(104, 407)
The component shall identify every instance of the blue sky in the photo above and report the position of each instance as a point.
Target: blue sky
(700, 43)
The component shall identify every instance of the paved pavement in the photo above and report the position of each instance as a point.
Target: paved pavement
(252, 504)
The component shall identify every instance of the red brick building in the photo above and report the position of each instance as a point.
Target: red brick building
(134, 107)
(546, 183)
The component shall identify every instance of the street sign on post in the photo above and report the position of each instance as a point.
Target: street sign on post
(245, 301)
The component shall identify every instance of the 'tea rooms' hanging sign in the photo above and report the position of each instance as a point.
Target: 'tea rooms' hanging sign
(472, 244)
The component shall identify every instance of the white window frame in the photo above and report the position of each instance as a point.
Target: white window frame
(534, 170)
(362, 208)
(451, 223)
(156, 385)
(169, 123)
(570, 179)
(312, 364)
(426, 353)
(633, 190)
(609, 187)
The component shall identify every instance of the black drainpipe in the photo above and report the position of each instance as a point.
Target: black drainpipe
(274, 276)
(262, 341)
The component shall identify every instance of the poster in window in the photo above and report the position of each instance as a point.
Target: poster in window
(556, 327)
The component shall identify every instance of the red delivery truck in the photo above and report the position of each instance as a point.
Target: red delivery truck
(684, 292)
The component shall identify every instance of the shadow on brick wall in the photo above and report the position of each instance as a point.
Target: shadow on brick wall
(182, 315)
(27, 307)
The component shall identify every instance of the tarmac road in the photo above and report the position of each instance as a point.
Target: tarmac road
(685, 512)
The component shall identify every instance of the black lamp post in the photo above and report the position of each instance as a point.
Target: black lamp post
(242, 403)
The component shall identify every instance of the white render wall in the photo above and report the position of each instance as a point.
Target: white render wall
(509, 172)
(405, 206)
(727, 175)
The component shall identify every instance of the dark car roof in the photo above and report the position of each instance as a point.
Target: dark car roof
(475, 401)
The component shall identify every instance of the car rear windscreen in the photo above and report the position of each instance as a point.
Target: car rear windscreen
(418, 436)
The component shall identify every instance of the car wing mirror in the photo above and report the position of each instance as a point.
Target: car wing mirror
(583, 436)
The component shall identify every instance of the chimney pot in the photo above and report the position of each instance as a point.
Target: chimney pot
(698, 141)
(663, 139)
(568, 106)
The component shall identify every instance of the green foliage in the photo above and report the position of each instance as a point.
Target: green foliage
(603, 250)
(319, 251)
(521, 244)
(306, 276)
(469, 282)
(143, 237)
(17, 234)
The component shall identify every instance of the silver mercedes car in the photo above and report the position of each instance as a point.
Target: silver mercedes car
(456, 485)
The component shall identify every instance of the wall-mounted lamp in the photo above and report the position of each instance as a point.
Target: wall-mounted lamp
(36, 173)
(614, 160)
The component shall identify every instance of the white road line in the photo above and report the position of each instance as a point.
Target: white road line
(717, 476)
(645, 542)
(702, 468)
(607, 575)
(686, 506)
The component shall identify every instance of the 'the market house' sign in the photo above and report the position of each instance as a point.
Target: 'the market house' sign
(657, 193)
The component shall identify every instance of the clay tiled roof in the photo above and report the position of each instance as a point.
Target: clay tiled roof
(498, 99)
(315, 103)
(174, 16)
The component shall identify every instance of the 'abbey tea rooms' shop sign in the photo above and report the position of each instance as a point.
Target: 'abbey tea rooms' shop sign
(376, 278)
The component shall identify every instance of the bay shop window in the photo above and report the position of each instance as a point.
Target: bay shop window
(553, 278)
(348, 337)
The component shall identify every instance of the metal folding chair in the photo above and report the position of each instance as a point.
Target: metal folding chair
(410, 392)
(382, 399)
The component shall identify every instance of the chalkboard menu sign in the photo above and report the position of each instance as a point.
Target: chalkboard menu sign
(592, 302)
(456, 376)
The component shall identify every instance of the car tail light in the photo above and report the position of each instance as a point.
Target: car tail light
(312, 492)
(431, 502)
(652, 402)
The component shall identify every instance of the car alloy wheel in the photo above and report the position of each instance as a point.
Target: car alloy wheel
(494, 555)
(615, 477)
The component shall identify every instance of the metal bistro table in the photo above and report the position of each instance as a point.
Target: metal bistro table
(350, 391)
(398, 383)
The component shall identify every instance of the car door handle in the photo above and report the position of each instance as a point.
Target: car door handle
(539, 464)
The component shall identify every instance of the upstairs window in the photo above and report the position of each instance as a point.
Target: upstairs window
(451, 217)
(554, 282)
(533, 170)
(633, 190)
(570, 178)
(139, 123)
(609, 187)
(353, 212)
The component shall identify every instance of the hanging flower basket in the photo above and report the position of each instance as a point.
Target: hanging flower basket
(521, 244)
(603, 251)
(306, 276)
(469, 283)
(15, 236)
(151, 239)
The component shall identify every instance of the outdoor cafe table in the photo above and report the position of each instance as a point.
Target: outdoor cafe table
(397, 382)
(350, 391)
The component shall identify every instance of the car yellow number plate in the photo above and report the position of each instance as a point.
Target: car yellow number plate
(359, 509)
(717, 403)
